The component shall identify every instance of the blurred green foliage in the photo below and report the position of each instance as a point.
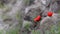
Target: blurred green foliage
(35, 32)
(1, 5)
(26, 2)
(1, 31)
(13, 30)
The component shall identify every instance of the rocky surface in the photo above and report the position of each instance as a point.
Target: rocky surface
(16, 16)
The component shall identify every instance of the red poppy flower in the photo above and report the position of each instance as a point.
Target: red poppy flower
(37, 18)
(50, 14)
